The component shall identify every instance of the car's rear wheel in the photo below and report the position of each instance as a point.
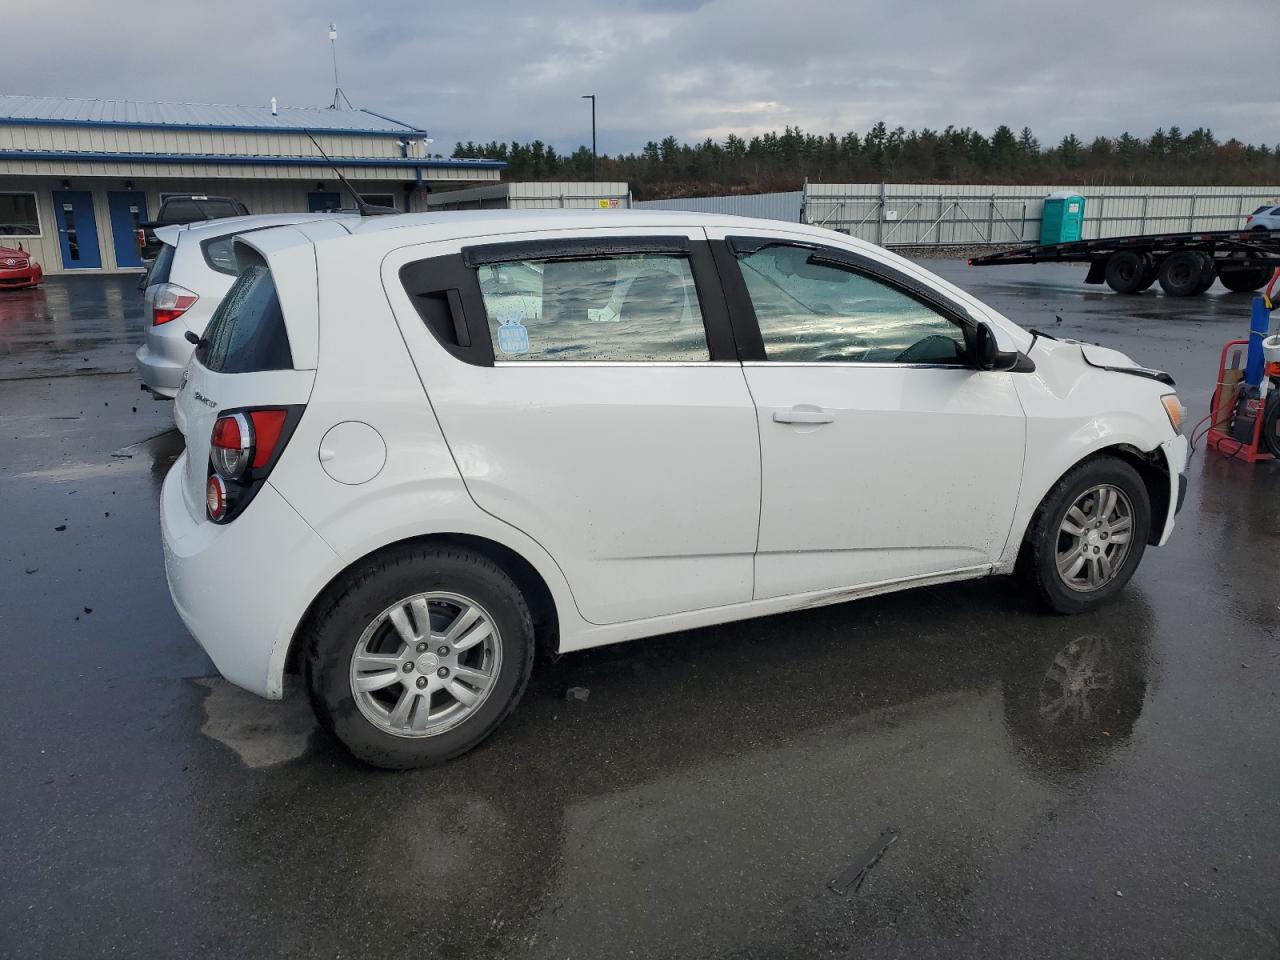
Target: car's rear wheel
(1088, 535)
(417, 656)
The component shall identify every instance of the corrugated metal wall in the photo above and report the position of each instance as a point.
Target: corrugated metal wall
(260, 196)
(923, 214)
(107, 139)
(767, 206)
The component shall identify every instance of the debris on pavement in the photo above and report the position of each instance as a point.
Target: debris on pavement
(851, 877)
(577, 693)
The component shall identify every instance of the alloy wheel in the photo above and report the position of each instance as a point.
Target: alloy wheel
(1094, 537)
(425, 664)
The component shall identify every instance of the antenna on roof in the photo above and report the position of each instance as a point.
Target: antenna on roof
(363, 208)
(338, 95)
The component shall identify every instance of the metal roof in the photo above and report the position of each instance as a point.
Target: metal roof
(76, 111)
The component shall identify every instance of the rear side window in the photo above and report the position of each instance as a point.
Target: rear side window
(219, 254)
(214, 209)
(159, 272)
(640, 307)
(1260, 209)
(247, 333)
(182, 211)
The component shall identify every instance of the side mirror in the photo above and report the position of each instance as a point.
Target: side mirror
(986, 351)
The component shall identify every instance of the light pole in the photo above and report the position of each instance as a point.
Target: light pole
(592, 98)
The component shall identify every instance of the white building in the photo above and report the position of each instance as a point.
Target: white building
(77, 176)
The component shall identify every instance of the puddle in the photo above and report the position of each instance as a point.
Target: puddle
(262, 732)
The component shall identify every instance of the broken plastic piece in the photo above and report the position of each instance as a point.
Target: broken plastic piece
(851, 877)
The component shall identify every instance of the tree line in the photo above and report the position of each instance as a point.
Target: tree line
(783, 161)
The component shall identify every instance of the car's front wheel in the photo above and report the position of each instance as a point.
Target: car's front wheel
(1088, 535)
(417, 655)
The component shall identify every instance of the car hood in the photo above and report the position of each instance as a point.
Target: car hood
(1104, 358)
(13, 253)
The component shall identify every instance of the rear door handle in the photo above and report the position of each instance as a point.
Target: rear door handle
(803, 414)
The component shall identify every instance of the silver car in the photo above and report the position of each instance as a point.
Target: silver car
(192, 273)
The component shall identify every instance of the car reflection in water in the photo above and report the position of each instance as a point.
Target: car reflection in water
(715, 781)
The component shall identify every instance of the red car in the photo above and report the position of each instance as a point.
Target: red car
(17, 269)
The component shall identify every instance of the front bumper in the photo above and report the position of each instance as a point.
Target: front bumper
(1175, 455)
(26, 277)
(242, 588)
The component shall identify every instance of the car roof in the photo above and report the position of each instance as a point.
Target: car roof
(391, 231)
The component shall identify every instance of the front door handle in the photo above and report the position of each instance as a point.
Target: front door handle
(803, 414)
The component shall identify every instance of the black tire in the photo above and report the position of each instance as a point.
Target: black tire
(1038, 562)
(1271, 425)
(1210, 274)
(1243, 279)
(1149, 273)
(1182, 273)
(359, 596)
(1125, 272)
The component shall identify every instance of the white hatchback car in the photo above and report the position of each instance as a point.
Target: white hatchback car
(420, 446)
(192, 272)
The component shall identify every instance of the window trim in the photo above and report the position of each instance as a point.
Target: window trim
(572, 248)
(35, 202)
(747, 324)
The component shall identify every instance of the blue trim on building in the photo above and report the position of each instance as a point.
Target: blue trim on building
(243, 160)
(217, 127)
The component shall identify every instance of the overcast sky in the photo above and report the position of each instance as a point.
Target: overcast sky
(515, 70)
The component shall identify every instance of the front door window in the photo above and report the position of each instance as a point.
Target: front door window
(816, 312)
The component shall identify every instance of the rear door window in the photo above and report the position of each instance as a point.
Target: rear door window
(625, 308)
(247, 333)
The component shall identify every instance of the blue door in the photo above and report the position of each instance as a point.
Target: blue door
(323, 201)
(128, 209)
(77, 229)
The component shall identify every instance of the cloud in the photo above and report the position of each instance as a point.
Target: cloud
(506, 70)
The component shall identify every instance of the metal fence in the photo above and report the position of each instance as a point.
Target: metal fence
(768, 206)
(922, 215)
(542, 195)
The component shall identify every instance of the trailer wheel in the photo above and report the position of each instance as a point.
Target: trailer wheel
(1182, 273)
(1210, 274)
(1149, 272)
(1243, 279)
(1125, 272)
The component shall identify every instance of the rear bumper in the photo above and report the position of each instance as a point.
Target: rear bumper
(161, 360)
(26, 277)
(242, 588)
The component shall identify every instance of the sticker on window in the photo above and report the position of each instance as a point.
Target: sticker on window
(513, 336)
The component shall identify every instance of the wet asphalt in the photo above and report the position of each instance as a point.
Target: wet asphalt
(1098, 786)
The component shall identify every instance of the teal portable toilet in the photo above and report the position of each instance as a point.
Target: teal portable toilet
(1063, 218)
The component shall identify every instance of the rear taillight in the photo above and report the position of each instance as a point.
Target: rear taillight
(1249, 219)
(231, 446)
(243, 447)
(170, 302)
(215, 498)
